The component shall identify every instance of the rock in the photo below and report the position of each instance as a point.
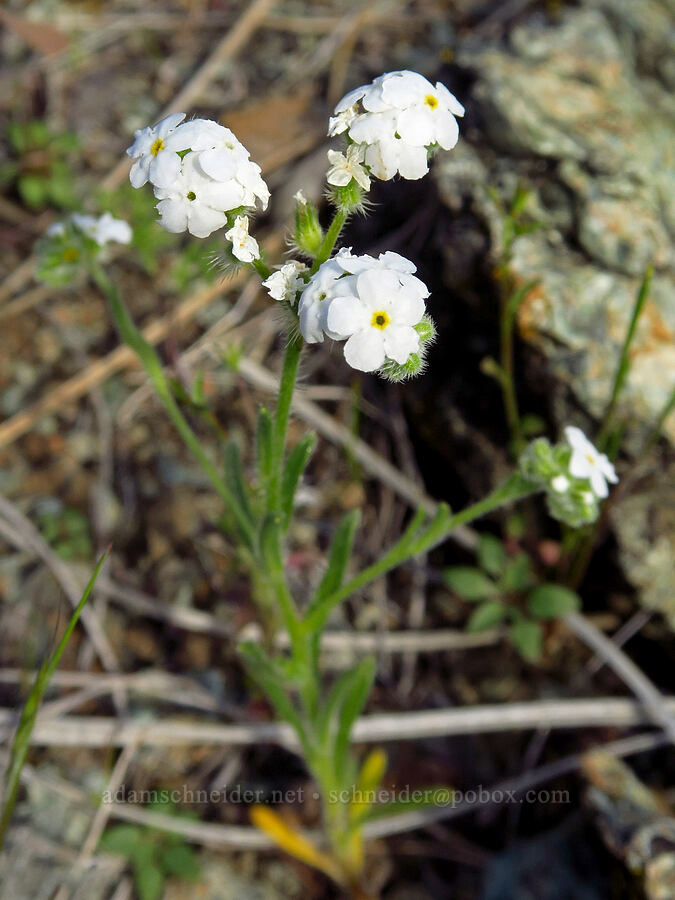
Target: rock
(581, 112)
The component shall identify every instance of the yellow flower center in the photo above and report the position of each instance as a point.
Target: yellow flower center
(380, 320)
(71, 254)
(157, 146)
(590, 458)
(191, 195)
(431, 101)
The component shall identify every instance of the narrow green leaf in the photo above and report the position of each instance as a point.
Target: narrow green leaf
(234, 479)
(550, 601)
(338, 560)
(270, 678)
(292, 473)
(21, 742)
(121, 840)
(264, 444)
(526, 637)
(491, 554)
(515, 300)
(344, 705)
(180, 861)
(149, 880)
(420, 798)
(489, 614)
(469, 584)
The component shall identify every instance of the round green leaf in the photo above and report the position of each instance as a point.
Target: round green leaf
(468, 583)
(526, 637)
(550, 601)
(491, 554)
(487, 615)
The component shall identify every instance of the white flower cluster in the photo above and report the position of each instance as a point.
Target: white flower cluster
(372, 304)
(200, 174)
(395, 120)
(285, 284)
(102, 229)
(586, 462)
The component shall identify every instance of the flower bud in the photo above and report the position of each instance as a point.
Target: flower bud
(308, 231)
(349, 197)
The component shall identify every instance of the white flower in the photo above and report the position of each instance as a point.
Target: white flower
(587, 462)
(378, 320)
(400, 116)
(155, 151)
(244, 246)
(195, 202)
(344, 168)
(560, 484)
(224, 158)
(374, 304)
(285, 283)
(103, 229)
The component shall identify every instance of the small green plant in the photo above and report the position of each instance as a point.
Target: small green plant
(40, 167)
(66, 530)
(505, 589)
(154, 855)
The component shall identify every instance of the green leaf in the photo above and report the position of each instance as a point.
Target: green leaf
(550, 601)
(517, 573)
(234, 479)
(21, 742)
(532, 425)
(469, 584)
(344, 705)
(33, 190)
(487, 615)
(491, 554)
(270, 678)
(338, 560)
(292, 473)
(149, 879)
(264, 444)
(181, 861)
(420, 798)
(526, 637)
(121, 840)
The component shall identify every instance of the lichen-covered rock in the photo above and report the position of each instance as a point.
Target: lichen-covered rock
(581, 110)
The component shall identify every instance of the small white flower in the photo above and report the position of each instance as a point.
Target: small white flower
(155, 152)
(398, 117)
(299, 197)
(103, 230)
(196, 203)
(587, 462)
(285, 283)
(378, 320)
(344, 168)
(560, 484)
(317, 296)
(244, 246)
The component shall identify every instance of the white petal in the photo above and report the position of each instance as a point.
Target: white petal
(399, 342)
(164, 169)
(365, 350)
(373, 127)
(381, 160)
(173, 215)
(346, 315)
(203, 221)
(138, 174)
(378, 288)
(409, 308)
(416, 126)
(223, 195)
(310, 325)
(579, 465)
(168, 123)
(351, 98)
(219, 164)
(406, 89)
(576, 438)
(599, 484)
(338, 177)
(447, 129)
(449, 100)
(607, 469)
(412, 162)
(395, 261)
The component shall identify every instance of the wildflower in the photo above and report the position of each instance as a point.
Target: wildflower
(588, 463)
(102, 230)
(378, 319)
(344, 168)
(284, 284)
(317, 296)
(155, 152)
(244, 247)
(195, 202)
(398, 118)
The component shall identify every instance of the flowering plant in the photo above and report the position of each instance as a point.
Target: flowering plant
(204, 180)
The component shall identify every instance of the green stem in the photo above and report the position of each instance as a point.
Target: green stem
(507, 380)
(439, 529)
(261, 268)
(623, 367)
(330, 239)
(289, 375)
